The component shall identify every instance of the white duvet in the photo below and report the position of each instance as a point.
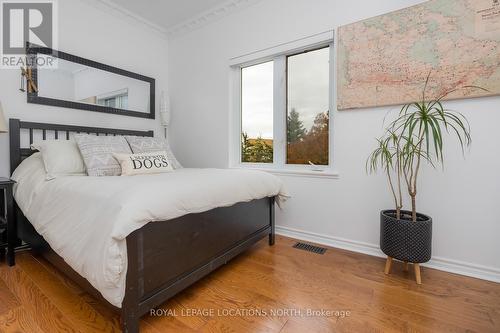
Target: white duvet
(86, 219)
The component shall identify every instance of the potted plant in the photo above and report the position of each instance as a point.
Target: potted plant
(414, 138)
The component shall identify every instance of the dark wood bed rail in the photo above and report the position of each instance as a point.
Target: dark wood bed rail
(18, 153)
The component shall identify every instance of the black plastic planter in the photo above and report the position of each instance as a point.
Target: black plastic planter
(404, 239)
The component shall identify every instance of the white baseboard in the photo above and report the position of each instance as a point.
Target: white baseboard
(443, 264)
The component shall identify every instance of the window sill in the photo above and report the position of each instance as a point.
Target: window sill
(326, 174)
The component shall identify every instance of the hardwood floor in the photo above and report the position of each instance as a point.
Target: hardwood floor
(240, 297)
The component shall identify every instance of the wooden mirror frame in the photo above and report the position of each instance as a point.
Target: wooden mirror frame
(32, 96)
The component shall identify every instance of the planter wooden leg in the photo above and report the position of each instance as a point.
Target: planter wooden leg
(388, 264)
(417, 273)
(405, 266)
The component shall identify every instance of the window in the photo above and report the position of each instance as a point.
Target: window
(257, 113)
(282, 110)
(308, 78)
(118, 102)
(116, 99)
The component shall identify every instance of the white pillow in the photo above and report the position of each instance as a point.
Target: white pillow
(60, 157)
(145, 163)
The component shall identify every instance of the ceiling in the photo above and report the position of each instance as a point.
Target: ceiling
(168, 13)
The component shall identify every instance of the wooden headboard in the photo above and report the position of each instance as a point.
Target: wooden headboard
(59, 131)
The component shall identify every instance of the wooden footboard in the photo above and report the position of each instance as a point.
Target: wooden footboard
(168, 256)
(164, 258)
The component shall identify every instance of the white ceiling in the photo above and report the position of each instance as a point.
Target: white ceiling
(168, 13)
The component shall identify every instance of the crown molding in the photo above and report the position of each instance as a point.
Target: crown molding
(209, 16)
(118, 11)
(196, 22)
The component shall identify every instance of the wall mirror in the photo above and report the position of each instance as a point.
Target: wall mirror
(78, 83)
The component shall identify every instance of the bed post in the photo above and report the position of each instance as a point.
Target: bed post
(273, 227)
(129, 319)
(15, 143)
(130, 306)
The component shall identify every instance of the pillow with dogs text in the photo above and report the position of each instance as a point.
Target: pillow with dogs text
(140, 145)
(144, 163)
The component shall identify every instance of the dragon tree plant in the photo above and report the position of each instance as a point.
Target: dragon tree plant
(413, 138)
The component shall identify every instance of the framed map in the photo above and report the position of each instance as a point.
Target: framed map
(385, 60)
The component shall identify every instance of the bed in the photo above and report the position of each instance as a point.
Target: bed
(162, 257)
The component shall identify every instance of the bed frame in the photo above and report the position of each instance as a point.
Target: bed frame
(163, 257)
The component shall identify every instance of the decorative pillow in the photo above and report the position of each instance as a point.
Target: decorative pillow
(60, 157)
(140, 145)
(144, 163)
(97, 152)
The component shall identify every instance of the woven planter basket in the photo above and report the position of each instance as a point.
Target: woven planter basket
(406, 240)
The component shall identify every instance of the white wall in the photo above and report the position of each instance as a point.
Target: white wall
(344, 212)
(93, 34)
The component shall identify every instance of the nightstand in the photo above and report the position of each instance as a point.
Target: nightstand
(8, 236)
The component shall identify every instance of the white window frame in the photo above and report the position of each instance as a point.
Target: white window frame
(279, 55)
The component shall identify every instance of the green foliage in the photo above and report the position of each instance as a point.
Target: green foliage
(320, 124)
(313, 145)
(255, 150)
(245, 145)
(382, 157)
(304, 146)
(416, 136)
(295, 127)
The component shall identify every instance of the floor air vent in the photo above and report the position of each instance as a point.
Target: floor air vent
(310, 248)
